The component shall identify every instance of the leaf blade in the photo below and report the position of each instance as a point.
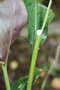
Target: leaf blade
(22, 82)
(40, 10)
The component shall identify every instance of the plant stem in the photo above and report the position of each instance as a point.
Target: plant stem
(33, 62)
(6, 77)
(36, 47)
(47, 13)
(35, 15)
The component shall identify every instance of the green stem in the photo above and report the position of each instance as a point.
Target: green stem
(33, 62)
(47, 13)
(6, 77)
(36, 47)
(35, 15)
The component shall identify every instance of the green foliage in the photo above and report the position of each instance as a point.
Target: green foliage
(22, 82)
(37, 13)
(47, 67)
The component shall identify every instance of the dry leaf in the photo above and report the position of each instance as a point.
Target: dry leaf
(13, 17)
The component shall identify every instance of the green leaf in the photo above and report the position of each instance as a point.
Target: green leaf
(22, 82)
(37, 13)
(37, 71)
(47, 67)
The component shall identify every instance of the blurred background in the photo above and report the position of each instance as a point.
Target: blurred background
(48, 58)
